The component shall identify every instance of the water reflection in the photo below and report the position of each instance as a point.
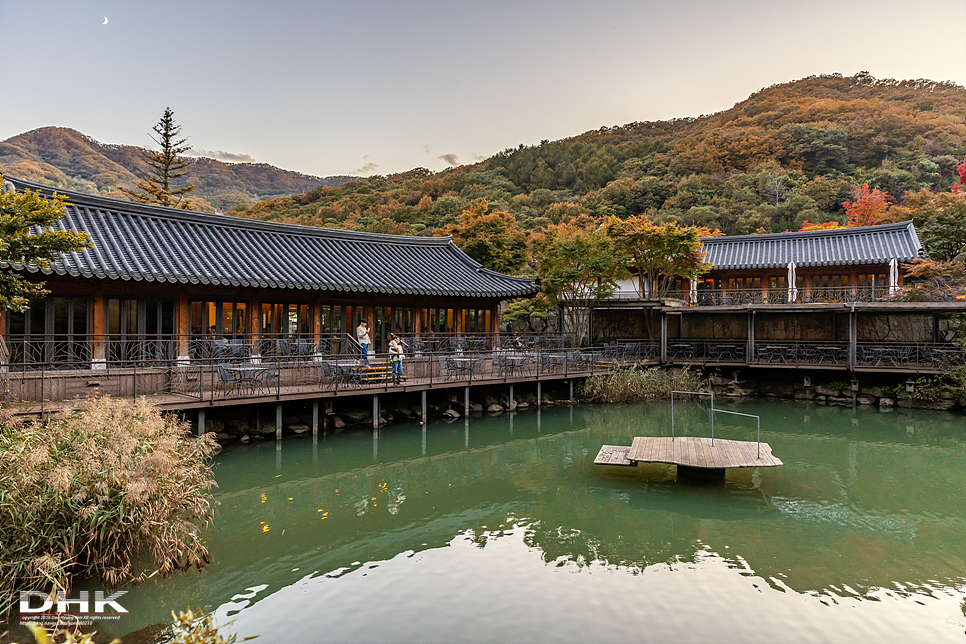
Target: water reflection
(862, 506)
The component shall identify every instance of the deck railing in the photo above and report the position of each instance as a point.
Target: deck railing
(218, 371)
(825, 295)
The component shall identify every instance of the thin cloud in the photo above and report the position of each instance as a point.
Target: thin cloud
(367, 168)
(450, 158)
(426, 148)
(221, 155)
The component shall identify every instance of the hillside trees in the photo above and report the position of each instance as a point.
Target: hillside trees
(659, 253)
(19, 212)
(165, 165)
(869, 207)
(577, 264)
(790, 153)
(491, 238)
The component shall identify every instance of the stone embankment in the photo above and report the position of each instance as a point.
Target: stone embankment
(834, 393)
(246, 424)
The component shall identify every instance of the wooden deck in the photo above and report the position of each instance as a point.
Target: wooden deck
(614, 455)
(689, 451)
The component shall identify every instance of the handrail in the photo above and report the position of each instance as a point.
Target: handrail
(713, 410)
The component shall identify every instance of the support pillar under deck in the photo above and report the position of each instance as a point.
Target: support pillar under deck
(278, 421)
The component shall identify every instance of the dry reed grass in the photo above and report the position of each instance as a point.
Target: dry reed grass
(90, 493)
(633, 384)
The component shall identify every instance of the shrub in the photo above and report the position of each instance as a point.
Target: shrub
(89, 492)
(632, 384)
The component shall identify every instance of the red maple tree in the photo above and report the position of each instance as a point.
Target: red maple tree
(868, 208)
(961, 169)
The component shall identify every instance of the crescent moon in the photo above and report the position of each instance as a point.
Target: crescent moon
(105, 20)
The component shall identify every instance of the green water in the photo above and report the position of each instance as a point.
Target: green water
(504, 531)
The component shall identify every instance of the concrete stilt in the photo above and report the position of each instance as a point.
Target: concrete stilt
(201, 422)
(424, 439)
(539, 394)
(278, 421)
(571, 390)
(315, 418)
(375, 443)
(423, 418)
(375, 412)
(511, 405)
(466, 402)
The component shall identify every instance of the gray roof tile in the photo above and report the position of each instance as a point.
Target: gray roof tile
(842, 247)
(151, 243)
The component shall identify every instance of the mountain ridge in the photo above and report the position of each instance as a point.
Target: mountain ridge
(66, 158)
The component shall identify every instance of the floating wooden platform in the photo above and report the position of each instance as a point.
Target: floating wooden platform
(689, 452)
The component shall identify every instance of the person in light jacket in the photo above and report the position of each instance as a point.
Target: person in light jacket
(396, 357)
(362, 335)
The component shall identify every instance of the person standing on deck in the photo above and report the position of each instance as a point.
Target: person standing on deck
(396, 356)
(362, 335)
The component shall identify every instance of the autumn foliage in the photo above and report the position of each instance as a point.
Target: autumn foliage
(808, 226)
(868, 208)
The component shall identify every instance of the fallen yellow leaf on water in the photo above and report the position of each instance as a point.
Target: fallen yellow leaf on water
(265, 529)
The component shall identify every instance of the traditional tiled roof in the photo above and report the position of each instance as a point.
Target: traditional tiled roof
(135, 241)
(841, 247)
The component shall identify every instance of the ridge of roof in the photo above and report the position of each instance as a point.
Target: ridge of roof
(198, 248)
(75, 198)
(813, 234)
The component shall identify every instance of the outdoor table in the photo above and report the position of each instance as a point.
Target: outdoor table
(248, 374)
(465, 364)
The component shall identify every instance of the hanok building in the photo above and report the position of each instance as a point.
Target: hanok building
(165, 284)
(821, 298)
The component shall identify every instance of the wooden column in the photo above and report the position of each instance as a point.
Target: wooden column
(99, 342)
(183, 327)
(255, 324)
(316, 321)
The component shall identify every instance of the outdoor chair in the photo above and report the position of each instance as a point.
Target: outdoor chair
(303, 347)
(326, 374)
(264, 381)
(228, 380)
(236, 348)
(282, 348)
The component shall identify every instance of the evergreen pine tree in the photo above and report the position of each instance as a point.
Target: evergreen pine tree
(166, 165)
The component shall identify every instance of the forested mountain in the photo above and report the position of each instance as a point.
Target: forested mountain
(789, 153)
(65, 158)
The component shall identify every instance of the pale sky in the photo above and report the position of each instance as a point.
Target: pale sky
(376, 87)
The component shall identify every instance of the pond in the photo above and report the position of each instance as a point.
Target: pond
(503, 530)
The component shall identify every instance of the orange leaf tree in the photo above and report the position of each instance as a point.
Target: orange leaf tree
(868, 208)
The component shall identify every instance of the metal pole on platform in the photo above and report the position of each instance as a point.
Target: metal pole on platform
(201, 422)
(423, 417)
(539, 394)
(278, 421)
(571, 391)
(466, 403)
(510, 404)
(375, 411)
(315, 418)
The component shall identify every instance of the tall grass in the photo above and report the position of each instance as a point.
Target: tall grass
(114, 490)
(637, 383)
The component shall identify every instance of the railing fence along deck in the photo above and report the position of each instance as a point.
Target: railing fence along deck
(798, 295)
(215, 371)
(47, 369)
